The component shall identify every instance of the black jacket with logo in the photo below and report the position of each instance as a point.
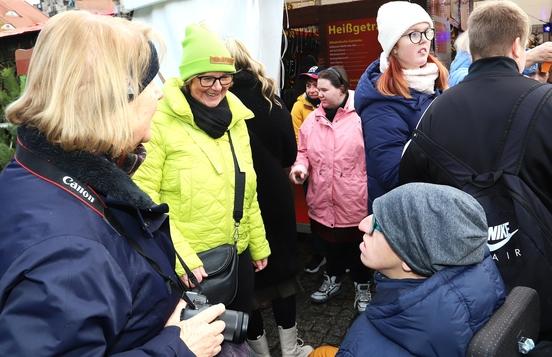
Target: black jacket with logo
(470, 119)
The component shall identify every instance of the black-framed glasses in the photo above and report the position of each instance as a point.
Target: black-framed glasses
(208, 81)
(416, 36)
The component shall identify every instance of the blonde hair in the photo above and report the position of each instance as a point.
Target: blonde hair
(244, 61)
(462, 42)
(494, 26)
(80, 75)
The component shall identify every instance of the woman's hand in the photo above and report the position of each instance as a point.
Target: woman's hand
(201, 333)
(199, 274)
(298, 174)
(260, 264)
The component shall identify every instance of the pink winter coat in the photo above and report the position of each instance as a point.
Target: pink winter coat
(333, 154)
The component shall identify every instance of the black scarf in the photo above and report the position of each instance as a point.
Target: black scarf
(330, 113)
(95, 170)
(213, 121)
(315, 102)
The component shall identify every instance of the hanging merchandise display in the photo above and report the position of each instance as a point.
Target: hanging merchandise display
(301, 47)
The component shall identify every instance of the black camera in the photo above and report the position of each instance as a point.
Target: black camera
(236, 321)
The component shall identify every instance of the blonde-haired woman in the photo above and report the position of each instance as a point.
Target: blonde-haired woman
(395, 90)
(274, 149)
(80, 274)
(462, 61)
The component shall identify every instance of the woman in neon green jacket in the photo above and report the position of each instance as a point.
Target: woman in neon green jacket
(190, 165)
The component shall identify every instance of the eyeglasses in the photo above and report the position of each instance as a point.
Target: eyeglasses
(375, 225)
(209, 81)
(416, 36)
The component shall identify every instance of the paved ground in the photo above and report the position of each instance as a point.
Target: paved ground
(318, 323)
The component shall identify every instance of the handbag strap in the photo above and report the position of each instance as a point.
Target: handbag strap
(239, 193)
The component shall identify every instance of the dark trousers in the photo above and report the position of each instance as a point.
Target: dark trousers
(343, 255)
(317, 244)
(246, 280)
(284, 310)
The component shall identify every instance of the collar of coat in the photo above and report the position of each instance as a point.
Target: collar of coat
(95, 170)
(347, 108)
(174, 104)
(303, 99)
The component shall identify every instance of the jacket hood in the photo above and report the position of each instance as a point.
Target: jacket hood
(462, 60)
(367, 93)
(244, 78)
(399, 320)
(174, 104)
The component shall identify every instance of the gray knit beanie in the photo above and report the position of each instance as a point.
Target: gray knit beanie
(431, 227)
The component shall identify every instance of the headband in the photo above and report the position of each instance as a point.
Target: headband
(149, 75)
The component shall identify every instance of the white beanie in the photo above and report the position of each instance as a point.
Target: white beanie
(394, 18)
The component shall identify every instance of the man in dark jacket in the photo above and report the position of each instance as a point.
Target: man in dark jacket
(437, 285)
(470, 120)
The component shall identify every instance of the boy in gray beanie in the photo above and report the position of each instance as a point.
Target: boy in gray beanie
(431, 227)
(436, 282)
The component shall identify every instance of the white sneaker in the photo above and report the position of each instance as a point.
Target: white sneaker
(330, 287)
(363, 296)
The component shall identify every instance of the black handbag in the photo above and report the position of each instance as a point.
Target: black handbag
(221, 263)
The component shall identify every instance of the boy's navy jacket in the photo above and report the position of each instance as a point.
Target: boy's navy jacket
(433, 317)
(387, 125)
(70, 284)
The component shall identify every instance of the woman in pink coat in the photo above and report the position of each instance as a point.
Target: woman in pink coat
(331, 155)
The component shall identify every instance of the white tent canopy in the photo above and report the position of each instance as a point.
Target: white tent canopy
(539, 11)
(257, 23)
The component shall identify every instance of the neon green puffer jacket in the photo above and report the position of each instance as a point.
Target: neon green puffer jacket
(194, 174)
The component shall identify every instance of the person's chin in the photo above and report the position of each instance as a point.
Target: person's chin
(364, 260)
(212, 102)
(423, 60)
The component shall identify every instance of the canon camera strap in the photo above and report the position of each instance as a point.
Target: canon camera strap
(49, 172)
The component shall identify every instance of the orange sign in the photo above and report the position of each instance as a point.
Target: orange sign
(352, 44)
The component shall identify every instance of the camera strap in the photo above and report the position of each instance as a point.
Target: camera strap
(48, 172)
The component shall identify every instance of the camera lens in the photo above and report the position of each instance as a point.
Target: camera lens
(240, 332)
(236, 325)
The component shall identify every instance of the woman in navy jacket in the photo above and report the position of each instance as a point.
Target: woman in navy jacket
(395, 90)
(86, 260)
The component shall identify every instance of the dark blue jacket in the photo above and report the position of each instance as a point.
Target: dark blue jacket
(433, 317)
(70, 282)
(387, 124)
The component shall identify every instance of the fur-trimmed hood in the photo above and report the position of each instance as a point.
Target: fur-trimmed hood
(95, 170)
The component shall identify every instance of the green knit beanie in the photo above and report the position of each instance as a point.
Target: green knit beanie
(203, 52)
